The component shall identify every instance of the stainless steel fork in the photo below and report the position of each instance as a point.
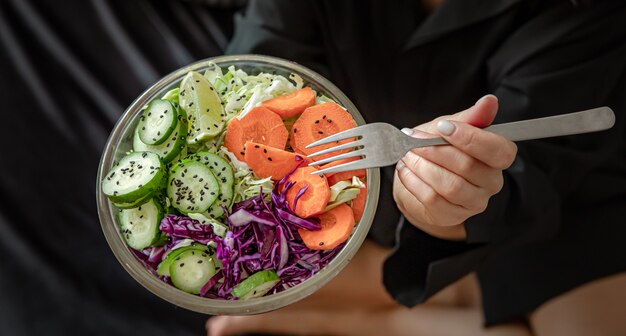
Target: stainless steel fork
(381, 144)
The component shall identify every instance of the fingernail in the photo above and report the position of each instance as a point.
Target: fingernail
(485, 96)
(445, 127)
(399, 165)
(407, 131)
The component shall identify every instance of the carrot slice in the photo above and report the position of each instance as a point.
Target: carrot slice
(336, 177)
(358, 204)
(336, 224)
(317, 122)
(267, 161)
(347, 175)
(291, 104)
(260, 125)
(314, 199)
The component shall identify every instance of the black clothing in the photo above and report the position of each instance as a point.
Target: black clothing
(558, 221)
(67, 72)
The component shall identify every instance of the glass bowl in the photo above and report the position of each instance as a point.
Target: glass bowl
(119, 143)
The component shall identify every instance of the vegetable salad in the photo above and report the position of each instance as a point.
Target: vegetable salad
(217, 196)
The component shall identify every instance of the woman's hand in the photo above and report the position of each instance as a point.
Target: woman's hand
(437, 188)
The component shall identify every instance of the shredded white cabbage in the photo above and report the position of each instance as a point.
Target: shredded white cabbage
(241, 92)
(344, 191)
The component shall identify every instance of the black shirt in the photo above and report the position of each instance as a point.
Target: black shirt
(558, 222)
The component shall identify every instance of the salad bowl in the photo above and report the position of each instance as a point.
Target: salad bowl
(120, 143)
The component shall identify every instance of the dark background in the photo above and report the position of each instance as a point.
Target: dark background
(68, 69)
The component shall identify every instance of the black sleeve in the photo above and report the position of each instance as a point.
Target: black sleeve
(561, 61)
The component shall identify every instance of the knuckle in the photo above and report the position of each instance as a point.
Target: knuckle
(505, 155)
(452, 188)
(467, 166)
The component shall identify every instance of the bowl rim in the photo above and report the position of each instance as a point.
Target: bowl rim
(107, 213)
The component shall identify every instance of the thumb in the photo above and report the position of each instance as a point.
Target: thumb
(481, 114)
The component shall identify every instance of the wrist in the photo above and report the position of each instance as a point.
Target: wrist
(453, 232)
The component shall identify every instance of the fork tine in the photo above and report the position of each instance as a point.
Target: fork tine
(352, 165)
(351, 133)
(338, 157)
(336, 148)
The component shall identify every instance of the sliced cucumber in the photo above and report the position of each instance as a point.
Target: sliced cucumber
(191, 271)
(140, 226)
(192, 187)
(203, 106)
(158, 121)
(173, 145)
(256, 285)
(137, 175)
(164, 266)
(136, 203)
(224, 174)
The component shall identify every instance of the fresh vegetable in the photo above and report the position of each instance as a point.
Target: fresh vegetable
(140, 226)
(256, 285)
(309, 194)
(164, 266)
(267, 161)
(292, 104)
(169, 150)
(136, 176)
(260, 125)
(158, 121)
(223, 172)
(191, 270)
(317, 122)
(229, 212)
(333, 178)
(192, 187)
(336, 225)
(358, 204)
(203, 106)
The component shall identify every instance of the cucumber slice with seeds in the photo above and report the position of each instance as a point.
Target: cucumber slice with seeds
(173, 145)
(140, 226)
(164, 266)
(223, 172)
(191, 271)
(158, 121)
(136, 175)
(256, 285)
(192, 187)
(203, 106)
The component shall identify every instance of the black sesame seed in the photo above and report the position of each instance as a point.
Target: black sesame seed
(269, 159)
(321, 243)
(320, 132)
(182, 264)
(264, 150)
(317, 121)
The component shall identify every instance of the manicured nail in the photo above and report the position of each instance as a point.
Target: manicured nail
(407, 131)
(399, 165)
(445, 127)
(485, 96)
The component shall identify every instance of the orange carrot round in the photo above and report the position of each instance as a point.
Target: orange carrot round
(314, 199)
(291, 104)
(317, 122)
(336, 177)
(358, 204)
(260, 125)
(337, 225)
(266, 161)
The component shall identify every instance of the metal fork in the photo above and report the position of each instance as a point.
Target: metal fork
(381, 144)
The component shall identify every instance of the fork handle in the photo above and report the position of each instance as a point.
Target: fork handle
(593, 120)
